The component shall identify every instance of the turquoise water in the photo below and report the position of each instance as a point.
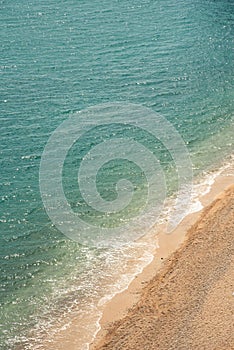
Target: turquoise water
(175, 57)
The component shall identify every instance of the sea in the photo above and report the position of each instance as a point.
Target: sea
(75, 61)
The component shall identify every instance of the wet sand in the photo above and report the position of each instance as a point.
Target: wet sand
(185, 298)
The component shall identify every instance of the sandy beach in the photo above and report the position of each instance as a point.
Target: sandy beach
(184, 299)
(117, 139)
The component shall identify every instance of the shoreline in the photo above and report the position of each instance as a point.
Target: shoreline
(118, 307)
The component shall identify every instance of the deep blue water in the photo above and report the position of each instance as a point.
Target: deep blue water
(175, 57)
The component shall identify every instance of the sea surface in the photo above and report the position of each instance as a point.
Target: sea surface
(61, 57)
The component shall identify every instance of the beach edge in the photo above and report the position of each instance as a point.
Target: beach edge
(118, 307)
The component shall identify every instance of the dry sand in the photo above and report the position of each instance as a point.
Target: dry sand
(189, 303)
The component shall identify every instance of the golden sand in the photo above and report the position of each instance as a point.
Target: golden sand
(189, 303)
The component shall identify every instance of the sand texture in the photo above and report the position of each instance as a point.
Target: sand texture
(189, 304)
